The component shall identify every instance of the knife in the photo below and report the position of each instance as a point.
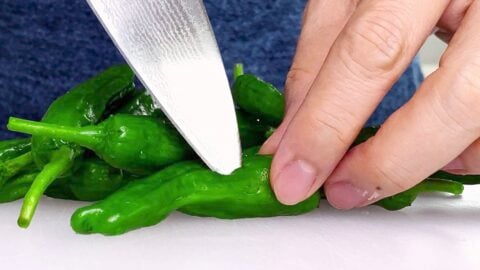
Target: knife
(172, 49)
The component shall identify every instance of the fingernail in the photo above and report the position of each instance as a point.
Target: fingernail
(294, 182)
(343, 195)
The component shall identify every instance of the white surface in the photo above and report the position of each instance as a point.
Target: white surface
(436, 233)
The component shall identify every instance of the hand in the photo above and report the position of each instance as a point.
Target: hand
(349, 55)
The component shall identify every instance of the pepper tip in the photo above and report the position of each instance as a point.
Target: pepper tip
(23, 223)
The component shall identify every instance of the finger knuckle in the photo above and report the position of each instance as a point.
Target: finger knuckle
(377, 41)
(387, 172)
(334, 124)
(469, 77)
(298, 76)
(297, 84)
(460, 109)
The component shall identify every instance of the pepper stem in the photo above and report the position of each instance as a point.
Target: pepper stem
(440, 185)
(89, 136)
(11, 167)
(59, 163)
(237, 71)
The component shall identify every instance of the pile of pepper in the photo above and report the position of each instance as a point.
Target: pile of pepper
(105, 141)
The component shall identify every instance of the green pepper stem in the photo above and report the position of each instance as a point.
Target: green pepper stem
(440, 185)
(89, 136)
(60, 162)
(11, 167)
(237, 71)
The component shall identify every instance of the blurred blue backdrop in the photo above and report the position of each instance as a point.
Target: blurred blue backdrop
(48, 46)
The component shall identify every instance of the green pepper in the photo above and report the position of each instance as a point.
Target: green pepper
(13, 166)
(252, 132)
(193, 189)
(406, 198)
(83, 105)
(138, 144)
(141, 104)
(15, 155)
(250, 129)
(17, 188)
(244, 194)
(13, 148)
(94, 180)
(258, 97)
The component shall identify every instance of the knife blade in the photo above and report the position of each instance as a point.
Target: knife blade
(172, 49)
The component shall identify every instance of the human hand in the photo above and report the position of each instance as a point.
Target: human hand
(349, 55)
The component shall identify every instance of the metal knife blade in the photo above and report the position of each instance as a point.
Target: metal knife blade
(172, 49)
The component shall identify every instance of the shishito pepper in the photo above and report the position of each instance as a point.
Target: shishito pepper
(190, 188)
(250, 129)
(15, 155)
(17, 188)
(141, 104)
(13, 148)
(83, 105)
(138, 144)
(258, 98)
(93, 180)
(406, 198)
(13, 166)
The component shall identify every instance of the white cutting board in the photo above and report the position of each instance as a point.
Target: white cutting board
(436, 233)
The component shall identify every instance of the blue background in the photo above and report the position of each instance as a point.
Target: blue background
(48, 46)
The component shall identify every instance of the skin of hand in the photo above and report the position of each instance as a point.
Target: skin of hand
(349, 54)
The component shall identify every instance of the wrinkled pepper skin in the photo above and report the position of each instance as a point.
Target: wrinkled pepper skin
(259, 99)
(13, 148)
(17, 188)
(192, 189)
(15, 155)
(244, 194)
(93, 180)
(137, 204)
(83, 105)
(141, 104)
(137, 144)
(12, 167)
(251, 130)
